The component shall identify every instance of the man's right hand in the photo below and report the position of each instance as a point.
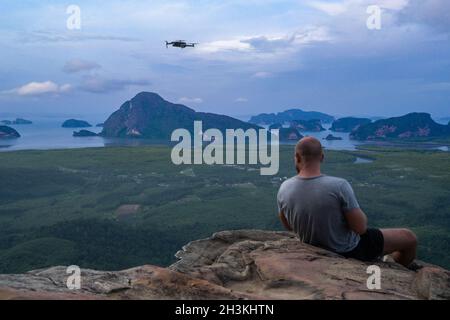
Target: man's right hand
(357, 221)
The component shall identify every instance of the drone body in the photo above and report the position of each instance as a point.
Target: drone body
(180, 44)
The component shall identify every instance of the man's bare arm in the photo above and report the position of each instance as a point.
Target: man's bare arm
(285, 222)
(357, 221)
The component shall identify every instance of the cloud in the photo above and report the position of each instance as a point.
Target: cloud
(225, 45)
(434, 13)
(330, 8)
(396, 5)
(49, 36)
(241, 100)
(268, 44)
(337, 8)
(190, 100)
(39, 88)
(262, 75)
(77, 65)
(95, 84)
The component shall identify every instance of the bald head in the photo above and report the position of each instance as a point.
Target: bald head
(309, 150)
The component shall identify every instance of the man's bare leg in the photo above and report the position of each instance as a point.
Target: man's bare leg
(401, 244)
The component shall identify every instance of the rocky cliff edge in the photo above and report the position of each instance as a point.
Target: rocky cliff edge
(246, 264)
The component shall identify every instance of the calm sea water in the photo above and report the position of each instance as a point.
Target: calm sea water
(345, 144)
(47, 133)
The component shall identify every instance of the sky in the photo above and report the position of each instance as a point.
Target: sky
(253, 56)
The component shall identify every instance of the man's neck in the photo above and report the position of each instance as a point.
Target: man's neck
(312, 172)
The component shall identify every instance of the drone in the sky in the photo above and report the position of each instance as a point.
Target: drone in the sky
(180, 44)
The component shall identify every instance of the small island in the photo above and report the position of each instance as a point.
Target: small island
(84, 133)
(21, 121)
(74, 123)
(8, 133)
(18, 121)
(330, 137)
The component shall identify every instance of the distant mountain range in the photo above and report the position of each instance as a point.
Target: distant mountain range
(413, 125)
(149, 116)
(290, 115)
(18, 121)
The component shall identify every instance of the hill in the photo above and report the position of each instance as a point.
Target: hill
(290, 115)
(149, 116)
(413, 125)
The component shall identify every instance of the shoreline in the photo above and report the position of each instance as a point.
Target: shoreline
(117, 142)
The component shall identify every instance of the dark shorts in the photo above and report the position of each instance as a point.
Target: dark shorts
(369, 248)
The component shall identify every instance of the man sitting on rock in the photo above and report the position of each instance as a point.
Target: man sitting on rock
(323, 211)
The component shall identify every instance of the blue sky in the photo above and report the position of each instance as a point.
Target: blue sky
(253, 56)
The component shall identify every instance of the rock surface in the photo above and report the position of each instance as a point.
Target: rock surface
(246, 264)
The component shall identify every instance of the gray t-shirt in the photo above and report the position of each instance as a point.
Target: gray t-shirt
(315, 210)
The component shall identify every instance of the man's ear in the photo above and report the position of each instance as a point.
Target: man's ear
(297, 160)
(322, 159)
